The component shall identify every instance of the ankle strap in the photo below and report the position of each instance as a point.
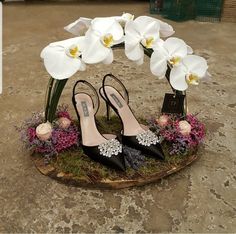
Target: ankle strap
(96, 104)
(126, 94)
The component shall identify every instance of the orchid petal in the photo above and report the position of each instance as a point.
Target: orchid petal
(130, 29)
(131, 41)
(177, 78)
(108, 26)
(135, 52)
(109, 58)
(158, 64)
(132, 37)
(68, 42)
(94, 50)
(166, 30)
(158, 45)
(133, 49)
(147, 26)
(119, 41)
(79, 27)
(46, 50)
(196, 65)
(176, 47)
(59, 65)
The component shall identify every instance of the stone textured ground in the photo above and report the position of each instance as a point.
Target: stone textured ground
(201, 198)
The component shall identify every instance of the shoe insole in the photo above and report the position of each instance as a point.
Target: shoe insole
(90, 134)
(130, 123)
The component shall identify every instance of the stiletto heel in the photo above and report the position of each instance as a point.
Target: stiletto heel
(133, 134)
(105, 149)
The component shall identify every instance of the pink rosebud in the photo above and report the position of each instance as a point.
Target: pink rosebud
(184, 127)
(64, 122)
(163, 120)
(44, 131)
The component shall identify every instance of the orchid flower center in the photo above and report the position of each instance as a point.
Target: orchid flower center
(148, 42)
(107, 40)
(192, 79)
(73, 51)
(175, 61)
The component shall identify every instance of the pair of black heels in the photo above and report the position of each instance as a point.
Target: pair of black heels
(106, 148)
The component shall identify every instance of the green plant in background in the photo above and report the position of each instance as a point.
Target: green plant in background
(181, 10)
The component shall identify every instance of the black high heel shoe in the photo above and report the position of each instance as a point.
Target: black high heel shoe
(134, 134)
(105, 149)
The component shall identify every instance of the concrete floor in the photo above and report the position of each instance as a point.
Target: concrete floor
(201, 198)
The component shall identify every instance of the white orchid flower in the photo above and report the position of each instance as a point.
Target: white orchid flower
(62, 59)
(102, 35)
(171, 51)
(142, 32)
(190, 71)
(79, 27)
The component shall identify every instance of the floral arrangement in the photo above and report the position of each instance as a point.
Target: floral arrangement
(94, 40)
(49, 138)
(96, 37)
(181, 135)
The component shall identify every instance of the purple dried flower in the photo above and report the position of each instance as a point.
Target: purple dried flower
(133, 158)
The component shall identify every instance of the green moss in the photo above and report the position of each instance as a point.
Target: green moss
(81, 166)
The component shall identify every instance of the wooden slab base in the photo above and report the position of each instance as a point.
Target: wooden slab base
(123, 182)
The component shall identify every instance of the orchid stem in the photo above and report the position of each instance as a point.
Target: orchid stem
(186, 104)
(48, 97)
(57, 90)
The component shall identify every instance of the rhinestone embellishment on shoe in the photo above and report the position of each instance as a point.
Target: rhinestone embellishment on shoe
(147, 138)
(109, 148)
